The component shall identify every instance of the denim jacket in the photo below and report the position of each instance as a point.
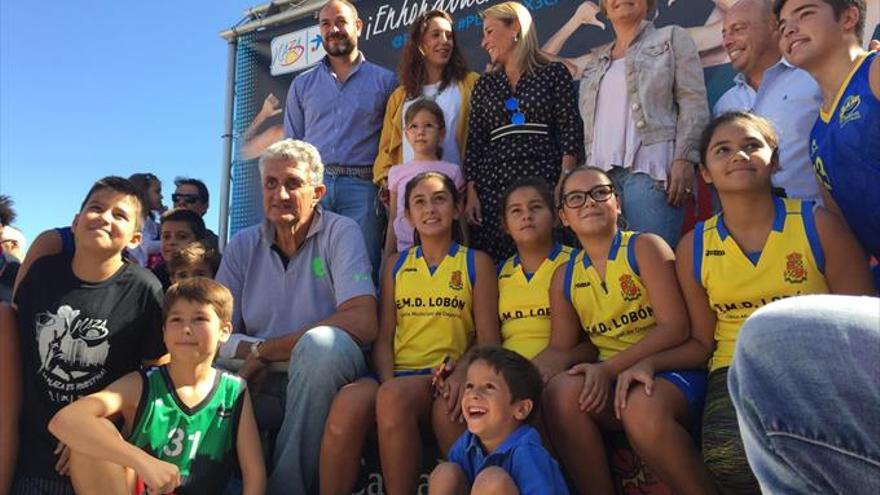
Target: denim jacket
(664, 80)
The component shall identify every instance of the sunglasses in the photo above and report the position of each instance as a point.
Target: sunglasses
(189, 199)
(599, 194)
(512, 105)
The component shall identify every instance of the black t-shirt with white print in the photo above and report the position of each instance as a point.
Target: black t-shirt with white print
(76, 338)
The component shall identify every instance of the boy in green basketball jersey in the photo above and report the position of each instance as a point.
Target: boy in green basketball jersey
(184, 423)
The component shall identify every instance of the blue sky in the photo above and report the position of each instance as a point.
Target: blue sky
(93, 88)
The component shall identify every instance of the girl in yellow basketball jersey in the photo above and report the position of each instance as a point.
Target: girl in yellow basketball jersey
(437, 298)
(760, 248)
(524, 279)
(621, 290)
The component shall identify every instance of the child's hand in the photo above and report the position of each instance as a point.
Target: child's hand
(454, 390)
(641, 372)
(158, 476)
(63, 464)
(597, 386)
(438, 381)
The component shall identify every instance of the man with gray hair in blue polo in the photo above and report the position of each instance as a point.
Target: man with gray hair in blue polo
(303, 292)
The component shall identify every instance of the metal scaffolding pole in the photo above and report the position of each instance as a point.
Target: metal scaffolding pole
(227, 138)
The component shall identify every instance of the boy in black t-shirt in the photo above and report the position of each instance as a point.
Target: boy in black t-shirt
(85, 318)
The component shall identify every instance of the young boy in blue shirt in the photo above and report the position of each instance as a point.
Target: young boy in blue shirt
(500, 452)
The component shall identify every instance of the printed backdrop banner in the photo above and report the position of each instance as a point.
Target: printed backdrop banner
(567, 27)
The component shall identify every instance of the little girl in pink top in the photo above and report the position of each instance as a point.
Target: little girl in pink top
(425, 131)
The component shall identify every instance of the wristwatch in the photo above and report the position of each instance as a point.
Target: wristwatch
(255, 352)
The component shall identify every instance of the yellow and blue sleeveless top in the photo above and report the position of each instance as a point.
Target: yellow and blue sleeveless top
(845, 151)
(615, 312)
(524, 302)
(434, 307)
(790, 264)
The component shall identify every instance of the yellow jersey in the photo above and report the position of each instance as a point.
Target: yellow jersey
(791, 263)
(524, 302)
(615, 312)
(434, 307)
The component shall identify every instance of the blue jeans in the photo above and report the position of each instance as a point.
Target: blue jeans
(324, 359)
(356, 199)
(805, 382)
(644, 205)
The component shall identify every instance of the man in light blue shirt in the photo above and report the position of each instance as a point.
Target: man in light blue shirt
(338, 106)
(769, 86)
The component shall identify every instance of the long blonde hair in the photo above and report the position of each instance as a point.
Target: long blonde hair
(525, 53)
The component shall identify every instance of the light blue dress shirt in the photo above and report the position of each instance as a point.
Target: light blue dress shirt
(342, 119)
(789, 98)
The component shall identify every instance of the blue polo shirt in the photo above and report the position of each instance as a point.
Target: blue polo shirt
(521, 455)
(342, 119)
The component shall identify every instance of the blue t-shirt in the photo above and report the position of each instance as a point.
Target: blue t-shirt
(521, 455)
(845, 150)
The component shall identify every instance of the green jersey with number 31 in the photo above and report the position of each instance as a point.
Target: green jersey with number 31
(200, 441)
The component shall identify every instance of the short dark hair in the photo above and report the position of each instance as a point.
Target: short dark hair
(203, 291)
(522, 377)
(122, 186)
(196, 224)
(533, 182)
(838, 6)
(193, 254)
(343, 2)
(757, 122)
(199, 185)
(7, 214)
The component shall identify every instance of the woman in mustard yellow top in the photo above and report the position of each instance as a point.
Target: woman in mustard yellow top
(620, 293)
(431, 66)
(524, 279)
(760, 248)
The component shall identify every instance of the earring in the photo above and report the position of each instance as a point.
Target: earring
(516, 38)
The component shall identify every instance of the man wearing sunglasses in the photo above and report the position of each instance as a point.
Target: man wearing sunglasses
(192, 194)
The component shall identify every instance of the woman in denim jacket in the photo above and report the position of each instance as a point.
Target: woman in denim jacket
(643, 102)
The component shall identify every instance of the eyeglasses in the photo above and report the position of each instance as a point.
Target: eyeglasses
(512, 105)
(189, 199)
(599, 194)
(427, 127)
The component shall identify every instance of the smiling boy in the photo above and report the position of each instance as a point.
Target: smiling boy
(85, 319)
(824, 38)
(500, 452)
(185, 423)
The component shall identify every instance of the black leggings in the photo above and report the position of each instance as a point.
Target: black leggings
(723, 450)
